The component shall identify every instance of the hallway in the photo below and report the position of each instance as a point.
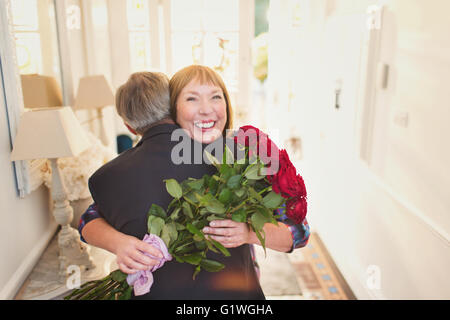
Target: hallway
(308, 273)
(356, 92)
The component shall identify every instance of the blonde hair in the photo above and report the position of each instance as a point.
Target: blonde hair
(143, 100)
(204, 75)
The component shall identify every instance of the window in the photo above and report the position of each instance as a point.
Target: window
(207, 32)
(139, 34)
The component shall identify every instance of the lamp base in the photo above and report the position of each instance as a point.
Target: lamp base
(72, 252)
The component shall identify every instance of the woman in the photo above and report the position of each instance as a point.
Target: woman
(200, 104)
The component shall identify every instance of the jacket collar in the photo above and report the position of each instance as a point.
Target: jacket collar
(158, 129)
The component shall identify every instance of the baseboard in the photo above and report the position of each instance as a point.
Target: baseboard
(9, 291)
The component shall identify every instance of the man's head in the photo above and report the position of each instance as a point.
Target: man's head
(143, 100)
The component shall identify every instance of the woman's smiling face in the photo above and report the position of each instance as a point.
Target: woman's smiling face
(202, 111)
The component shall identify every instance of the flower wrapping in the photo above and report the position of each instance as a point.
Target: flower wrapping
(142, 281)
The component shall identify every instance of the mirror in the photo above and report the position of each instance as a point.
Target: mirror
(35, 35)
(34, 43)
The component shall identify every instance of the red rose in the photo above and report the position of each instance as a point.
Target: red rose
(258, 143)
(247, 136)
(286, 181)
(296, 209)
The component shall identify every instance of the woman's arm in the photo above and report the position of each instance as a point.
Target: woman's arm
(232, 234)
(285, 237)
(130, 251)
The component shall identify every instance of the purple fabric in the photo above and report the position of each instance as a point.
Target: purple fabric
(142, 281)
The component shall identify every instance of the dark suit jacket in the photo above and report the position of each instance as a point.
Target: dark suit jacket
(124, 190)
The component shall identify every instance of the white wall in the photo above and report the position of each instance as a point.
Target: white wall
(26, 224)
(394, 214)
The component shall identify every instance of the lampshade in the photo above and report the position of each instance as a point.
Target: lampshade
(93, 92)
(49, 133)
(40, 91)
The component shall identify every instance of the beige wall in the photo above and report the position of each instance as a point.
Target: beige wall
(392, 216)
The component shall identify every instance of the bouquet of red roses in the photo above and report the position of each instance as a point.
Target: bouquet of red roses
(281, 175)
(248, 189)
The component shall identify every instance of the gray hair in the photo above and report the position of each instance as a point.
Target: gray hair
(143, 100)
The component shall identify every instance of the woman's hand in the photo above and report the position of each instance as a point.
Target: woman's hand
(229, 233)
(131, 258)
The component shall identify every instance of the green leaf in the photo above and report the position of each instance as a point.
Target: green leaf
(239, 192)
(173, 188)
(214, 217)
(205, 199)
(186, 247)
(157, 211)
(193, 258)
(211, 265)
(254, 194)
(211, 247)
(187, 210)
(191, 198)
(262, 238)
(225, 170)
(200, 245)
(219, 246)
(165, 235)
(228, 156)
(155, 225)
(197, 238)
(239, 216)
(118, 276)
(172, 204)
(192, 229)
(127, 294)
(196, 184)
(258, 220)
(212, 186)
(225, 196)
(169, 233)
(215, 206)
(179, 226)
(175, 214)
(234, 181)
(253, 173)
(213, 160)
(272, 200)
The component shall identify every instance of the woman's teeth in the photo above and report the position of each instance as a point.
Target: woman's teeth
(204, 125)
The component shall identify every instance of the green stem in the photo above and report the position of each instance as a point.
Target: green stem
(105, 290)
(97, 290)
(269, 188)
(111, 292)
(87, 287)
(239, 206)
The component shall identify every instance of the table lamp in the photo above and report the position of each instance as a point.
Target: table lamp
(55, 133)
(94, 92)
(40, 91)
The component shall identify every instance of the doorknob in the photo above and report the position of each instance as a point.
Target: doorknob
(337, 92)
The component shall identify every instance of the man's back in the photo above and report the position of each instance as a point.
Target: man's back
(126, 187)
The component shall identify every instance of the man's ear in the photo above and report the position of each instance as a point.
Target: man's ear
(131, 129)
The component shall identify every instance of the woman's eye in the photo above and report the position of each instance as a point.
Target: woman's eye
(217, 97)
(190, 99)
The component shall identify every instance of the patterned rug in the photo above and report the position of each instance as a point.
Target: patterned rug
(307, 273)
